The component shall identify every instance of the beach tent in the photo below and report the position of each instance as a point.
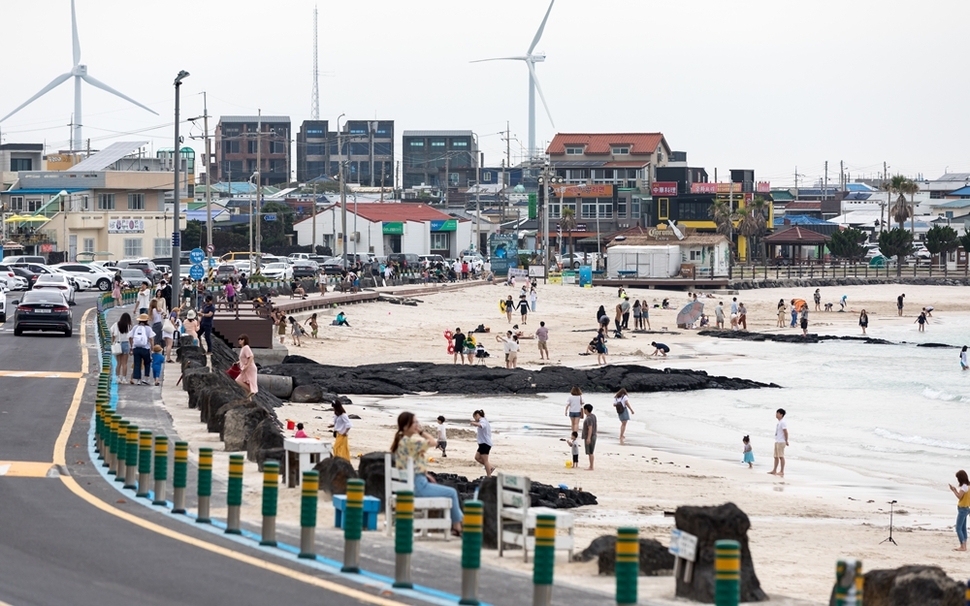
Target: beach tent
(654, 261)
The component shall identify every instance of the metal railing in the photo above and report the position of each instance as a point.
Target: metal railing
(844, 269)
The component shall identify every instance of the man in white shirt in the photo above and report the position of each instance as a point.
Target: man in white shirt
(781, 441)
(143, 299)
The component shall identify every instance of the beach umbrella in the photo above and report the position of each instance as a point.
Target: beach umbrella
(690, 313)
(33, 219)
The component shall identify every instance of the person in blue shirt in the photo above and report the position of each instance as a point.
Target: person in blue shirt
(208, 313)
(158, 363)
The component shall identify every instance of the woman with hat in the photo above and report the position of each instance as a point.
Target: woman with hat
(191, 326)
(141, 343)
(247, 367)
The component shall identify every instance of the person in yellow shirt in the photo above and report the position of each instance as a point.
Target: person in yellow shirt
(962, 492)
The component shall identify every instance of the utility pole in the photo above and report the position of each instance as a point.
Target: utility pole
(796, 184)
(478, 216)
(343, 198)
(313, 244)
(825, 183)
(842, 183)
(176, 231)
(444, 192)
(208, 180)
(259, 182)
(885, 186)
(373, 127)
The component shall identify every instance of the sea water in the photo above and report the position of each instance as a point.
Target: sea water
(865, 421)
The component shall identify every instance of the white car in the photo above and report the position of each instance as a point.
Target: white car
(3, 306)
(81, 283)
(58, 282)
(278, 271)
(99, 277)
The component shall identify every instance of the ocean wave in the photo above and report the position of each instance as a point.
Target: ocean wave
(889, 435)
(935, 394)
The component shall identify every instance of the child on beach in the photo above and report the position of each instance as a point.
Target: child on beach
(963, 358)
(158, 363)
(281, 327)
(573, 442)
(921, 320)
(299, 431)
(442, 436)
(480, 353)
(314, 327)
(748, 452)
(295, 331)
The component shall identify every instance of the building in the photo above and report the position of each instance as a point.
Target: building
(240, 140)
(391, 227)
(313, 151)
(16, 157)
(439, 158)
(366, 148)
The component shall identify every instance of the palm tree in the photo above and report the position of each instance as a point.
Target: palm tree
(724, 217)
(568, 223)
(899, 186)
(754, 222)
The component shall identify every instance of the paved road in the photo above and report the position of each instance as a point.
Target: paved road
(61, 538)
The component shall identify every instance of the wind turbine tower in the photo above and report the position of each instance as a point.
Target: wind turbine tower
(315, 94)
(530, 60)
(78, 72)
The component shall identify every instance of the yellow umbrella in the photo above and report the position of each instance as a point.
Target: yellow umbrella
(15, 218)
(33, 219)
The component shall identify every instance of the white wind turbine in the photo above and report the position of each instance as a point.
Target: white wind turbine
(78, 72)
(530, 61)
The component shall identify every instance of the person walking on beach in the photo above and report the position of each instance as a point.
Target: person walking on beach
(921, 320)
(524, 309)
(442, 437)
(618, 318)
(599, 344)
(748, 452)
(781, 441)
(899, 304)
(574, 406)
(818, 300)
(573, 443)
(509, 306)
(542, 338)
(963, 358)
(533, 298)
(734, 306)
(483, 434)
(742, 317)
(794, 314)
(601, 318)
(863, 320)
(341, 428)
(459, 346)
(625, 308)
(781, 313)
(589, 434)
(804, 321)
(247, 367)
(962, 492)
(719, 315)
(623, 410)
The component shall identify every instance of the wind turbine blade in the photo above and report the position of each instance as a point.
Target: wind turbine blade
(77, 43)
(535, 80)
(499, 59)
(99, 84)
(54, 84)
(542, 26)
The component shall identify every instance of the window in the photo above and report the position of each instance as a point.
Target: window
(589, 210)
(696, 255)
(106, 201)
(136, 201)
(460, 144)
(416, 143)
(17, 203)
(230, 147)
(453, 179)
(21, 164)
(574, 151)
(620, 151)
(439, 241)
(663, 208)
(606, 210)
(359, 149)
(383, 149)
(163, 247)
(554, 211)
(34, 204)
(635, 209)
(621, 209)
(85, 203)
(316, 149)
(277, 147)
(132, 247)
(314, 132)
(252, 146)
(88, 245)
(437, 143)
(487, 177)
(358, 130)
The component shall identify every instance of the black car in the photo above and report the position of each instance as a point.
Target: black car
(43, 310)
(334, 266)
(304, 269)
(26, 274)
(134, 277)
(405, 259)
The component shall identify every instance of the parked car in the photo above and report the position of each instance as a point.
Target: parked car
(132, 278)
(304, 268)
(296, 256)
(146, 267)
(22, 272)
(100, 277)
(21, 259)
(9, 277)
(43, 309)
(59, 282)
(80, 283)
(334, 266)
(278, 271)
(405, 259)
(429, 260)
(3, 307)
(228, 270)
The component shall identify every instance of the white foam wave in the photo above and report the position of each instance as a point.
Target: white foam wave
(935, 394)
(889, 435)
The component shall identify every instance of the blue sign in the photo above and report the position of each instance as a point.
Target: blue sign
(212, 261)
(196, 272)
(269, 217)
(196, 256)
(176, 239)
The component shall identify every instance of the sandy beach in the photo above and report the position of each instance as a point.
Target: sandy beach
(800, 524)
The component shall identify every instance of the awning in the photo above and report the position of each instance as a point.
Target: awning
(797, 235)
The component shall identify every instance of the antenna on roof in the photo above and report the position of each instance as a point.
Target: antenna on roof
(315, 94)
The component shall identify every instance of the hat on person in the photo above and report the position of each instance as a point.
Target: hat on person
(191, 314)
(143, 318)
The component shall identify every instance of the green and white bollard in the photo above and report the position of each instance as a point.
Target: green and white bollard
(727, 573)
(112, 459)
(544, 560)
(308, 515)
(144, 462)
(271, 491)
(966, 595)
(234, 493)
(121, 467)
(131, 457)
(627, 565)
(403, 539)
(180, 476)
(471, 552)
(99, 429)
(205, 485)
(161, 469)
(353, 525)
(848, 582)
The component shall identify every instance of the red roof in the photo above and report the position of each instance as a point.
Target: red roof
(796, 235)
(600, 143)
(804, 205)
(397, 211)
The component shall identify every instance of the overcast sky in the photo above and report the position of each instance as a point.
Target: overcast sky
(758, 84)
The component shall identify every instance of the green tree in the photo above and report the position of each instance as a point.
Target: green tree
(724, 217)
(941, 239)
(568, 224)
(752, 224)
(896, 242)
(274, 233)
(964, 240)
(848, 244)
(900, 187)
(193, 235)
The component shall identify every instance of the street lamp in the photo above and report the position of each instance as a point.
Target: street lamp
(343, 197)
(176, 232)
(546, 179)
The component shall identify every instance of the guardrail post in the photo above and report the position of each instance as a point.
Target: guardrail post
(205, 485)
(627, 565)
(131, 457)
(111, 459)
(99, 429)
(849, 583)
(727, 573)
(403, 538)
(544, 560)
(271, 491)
(471, 552)
(234, 493)
(121, 466)
(180, 479)
(353, 524)
(308, 515)
(161, 469)
(144, 462)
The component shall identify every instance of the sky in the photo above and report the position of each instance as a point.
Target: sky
(757, 84)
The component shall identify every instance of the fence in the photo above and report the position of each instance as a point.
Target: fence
(842, 270)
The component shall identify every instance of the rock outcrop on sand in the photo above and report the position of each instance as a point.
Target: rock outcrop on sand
(413, 377)
(744, 335)
(654, 557)
(910, 586)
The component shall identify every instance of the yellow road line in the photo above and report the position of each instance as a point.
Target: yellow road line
(60, 447)
(40, 374)
(24, 469)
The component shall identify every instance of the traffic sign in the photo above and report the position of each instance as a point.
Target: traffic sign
(196, 272)
(212, 261)
(196, 255)
(269, 217)
(210, 249)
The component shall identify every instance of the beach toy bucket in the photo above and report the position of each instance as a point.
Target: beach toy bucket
(290, 425)
(569, 464)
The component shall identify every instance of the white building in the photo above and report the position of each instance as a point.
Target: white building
(389, 227)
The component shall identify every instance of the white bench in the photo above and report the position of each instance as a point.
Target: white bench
(396, 480)
(514, 505)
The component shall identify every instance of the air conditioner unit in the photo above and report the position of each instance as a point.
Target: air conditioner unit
(355, 236)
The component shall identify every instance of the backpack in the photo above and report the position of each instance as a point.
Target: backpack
(138, 337)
